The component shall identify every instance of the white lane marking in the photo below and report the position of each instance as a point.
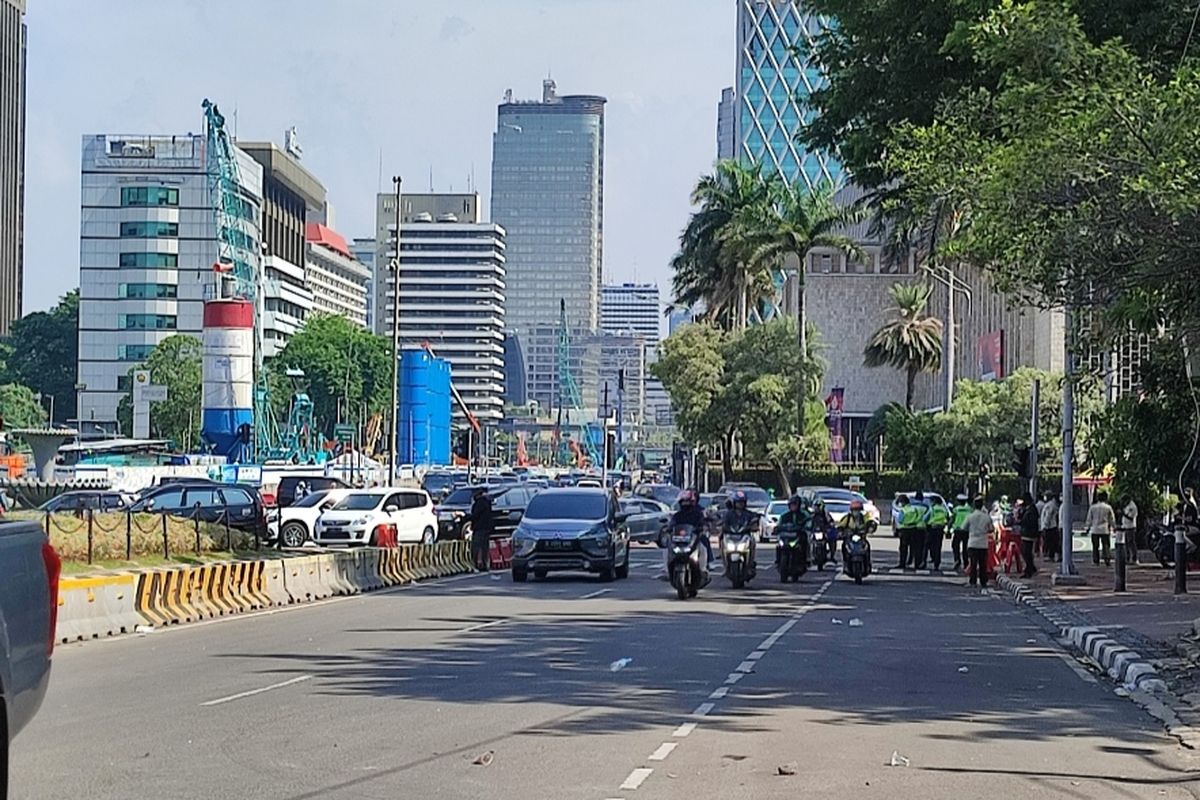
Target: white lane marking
(663, 751)
(595, 594)
(756, 655)
(734, 677)
(252, 692)
(684, 730)
(746, 666)
(636, 778)
(703, 709)
(719, 692)
(482, 625)
(1075, 666)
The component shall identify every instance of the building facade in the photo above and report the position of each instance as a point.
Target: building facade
(12, 160)
(630, 307)
(548, 194)
(363, 250)
(452, 290)
(776, 72)
(726, 111)
(337, 280)
(146, 255)
(291, 198)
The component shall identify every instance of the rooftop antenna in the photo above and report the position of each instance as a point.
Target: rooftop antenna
(431, 178)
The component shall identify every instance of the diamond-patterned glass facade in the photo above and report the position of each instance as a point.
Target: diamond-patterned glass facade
(776, 71)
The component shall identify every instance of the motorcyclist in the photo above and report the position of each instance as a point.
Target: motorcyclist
(738, 516)
(689, 513)
(822, 523)
(855, 522)
(799, 517)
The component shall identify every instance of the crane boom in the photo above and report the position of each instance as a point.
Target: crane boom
(472, 420)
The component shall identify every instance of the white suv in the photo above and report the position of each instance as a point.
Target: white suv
(360, 517)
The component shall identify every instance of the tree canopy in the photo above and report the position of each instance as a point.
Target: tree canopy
(42, 353)
(177, 364)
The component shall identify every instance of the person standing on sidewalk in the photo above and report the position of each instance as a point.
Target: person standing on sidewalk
(908, 525)
(1129, 525)
(917, 547)
(936, 520)
(958, 542)
(1051, 534)
(1030, 523)
(1100, 523)
(979, 529)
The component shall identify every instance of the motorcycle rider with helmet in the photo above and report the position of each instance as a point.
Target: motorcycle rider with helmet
(689, 513)
(800, 517)
(822, 522)
(855, 522)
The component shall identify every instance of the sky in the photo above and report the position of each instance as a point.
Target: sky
(412, 85)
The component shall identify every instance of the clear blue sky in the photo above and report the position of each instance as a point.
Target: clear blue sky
(419, 80)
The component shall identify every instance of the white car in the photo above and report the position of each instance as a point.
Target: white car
(360, 518)
(766, 531)
(294, 524)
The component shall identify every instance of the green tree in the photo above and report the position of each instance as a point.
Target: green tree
(343, 364)
(42, 352)
(20, 408)
(691, 366)
(177, 364)
(911, 342)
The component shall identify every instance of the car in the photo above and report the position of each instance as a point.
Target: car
(363, 516)
(240, 504)
(930, 497)
(837, 501)
(295, 524)
(439, 484)
(649, 520)
(508, 505)
(662, 492)
(579, 530)
(589, 483)
(285, 494)
(776, 509)
(757, 498)
(87, 500)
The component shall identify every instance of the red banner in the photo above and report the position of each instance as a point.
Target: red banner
(991, 356)
(835, 405)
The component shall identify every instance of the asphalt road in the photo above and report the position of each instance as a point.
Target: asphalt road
(570, 688)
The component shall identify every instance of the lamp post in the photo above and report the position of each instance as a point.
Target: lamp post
(946, 277)
(394, 265)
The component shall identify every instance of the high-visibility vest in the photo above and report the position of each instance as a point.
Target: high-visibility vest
(910, 516)
(937, 515)
(960, 517)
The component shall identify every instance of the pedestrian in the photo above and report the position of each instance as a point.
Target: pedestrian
(1129, 528)
(1030, 523)
(909, 525)
(958, 542)
(936, 520)
(919, 546)
(1100, 523)
(1051, 533)
(481, 528)
(979, 529)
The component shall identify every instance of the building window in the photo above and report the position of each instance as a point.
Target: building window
(149, 291)
(149, 230)
(146, 322)
(149, 196)
(239, 239)
(124, 383)
(150, 260)
(134, 352)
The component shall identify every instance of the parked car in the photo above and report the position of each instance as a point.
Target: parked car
(361, 517)
(757, 498)
(837, 501)
(662, 492)
(588, 483)
(241, 504)
(508, 506)
(649, 520)
(930, 498)
(87, 500)
(285, 494)
(580, 530)
(439, 484)
(294, 524)
(28, 611)
(766, 530)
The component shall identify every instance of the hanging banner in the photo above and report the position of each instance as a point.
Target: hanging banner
(835, 405)
(991, 356)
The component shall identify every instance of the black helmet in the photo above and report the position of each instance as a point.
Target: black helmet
(794, 500)
(739, 499)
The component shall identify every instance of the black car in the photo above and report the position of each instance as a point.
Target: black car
(662, 492)
(439, 484)
(757, 498)
(86, 500)
(242, 504)
(649, 520)
(508, 506)
(285, 495)
(579, 530)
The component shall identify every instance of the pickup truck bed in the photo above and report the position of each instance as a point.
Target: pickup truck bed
(29, 571)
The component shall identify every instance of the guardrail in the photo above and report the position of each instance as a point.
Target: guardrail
(108, 605)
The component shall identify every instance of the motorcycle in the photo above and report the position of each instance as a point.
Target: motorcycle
(856, 557)
(685, 561)
(1161, 541)
(737, 549)
(790, 552)
(819, 547)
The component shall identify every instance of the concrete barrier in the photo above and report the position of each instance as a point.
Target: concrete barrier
(91, 608)
(389, 567)
(303, 579)
(147, 601)
(274, 585)
(343, 572)
(202, 598)
(366, 569)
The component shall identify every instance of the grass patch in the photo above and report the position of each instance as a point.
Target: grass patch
(81, 568)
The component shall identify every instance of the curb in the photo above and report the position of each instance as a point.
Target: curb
(1125, 666)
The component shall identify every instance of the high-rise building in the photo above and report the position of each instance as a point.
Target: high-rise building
(776, 73)
(363, 250)
(548, 194)
(337, 280)
(452, 285)
(292, 197)
(146, 254)
(12, 159)
(630, 308)
(726, 111)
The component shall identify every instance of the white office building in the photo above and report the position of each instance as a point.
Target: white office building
(630, 308)
(146, 254)
(363, 250)
(337, 280)
(452, 290)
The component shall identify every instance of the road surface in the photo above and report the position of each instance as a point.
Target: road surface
(571, 688)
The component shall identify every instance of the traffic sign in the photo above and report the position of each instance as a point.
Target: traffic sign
(343, 433)
(854, 483)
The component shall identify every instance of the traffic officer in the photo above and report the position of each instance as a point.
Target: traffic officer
(958, 542)
(910, 524)
(936, 520)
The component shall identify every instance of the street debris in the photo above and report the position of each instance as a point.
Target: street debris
(143, 629)
(856, 623)
(790, 768)
(485, 759)
(732, 757)
(619, 664)
(496, 577)
(836, 621)
(964, 670)
(898, 760)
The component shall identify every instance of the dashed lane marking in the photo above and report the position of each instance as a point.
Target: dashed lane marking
(746, 666)
(663, 751)
(483, 625)
(253, 692)
(719, 692)
(595, 594)
(684, 730)
(637, 778)
(703, 709)
(734, 677)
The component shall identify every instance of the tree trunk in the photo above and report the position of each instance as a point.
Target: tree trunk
(910, 388)
(727, 455)
(785, 480)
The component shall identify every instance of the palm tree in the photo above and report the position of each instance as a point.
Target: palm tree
(912, 341)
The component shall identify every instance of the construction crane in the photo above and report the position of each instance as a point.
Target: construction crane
(569, 397)
(472, 420)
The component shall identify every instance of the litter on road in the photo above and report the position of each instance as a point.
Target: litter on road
(856, 623)
(620, 664)
(964, 670)
(898, 760)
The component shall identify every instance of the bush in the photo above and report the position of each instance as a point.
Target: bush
(69, 535)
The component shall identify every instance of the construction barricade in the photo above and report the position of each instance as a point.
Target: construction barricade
(303, 580)
(500, 554)
(366, 569)
(274, 584)
(91, 608)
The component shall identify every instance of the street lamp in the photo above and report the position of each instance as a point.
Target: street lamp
(39, 397)
(945, 276)
(394, 266)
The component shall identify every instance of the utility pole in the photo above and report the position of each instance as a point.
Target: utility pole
(1035, 428)
(394, 433)
(604, 434)
(1067, 573)
(620, 412)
